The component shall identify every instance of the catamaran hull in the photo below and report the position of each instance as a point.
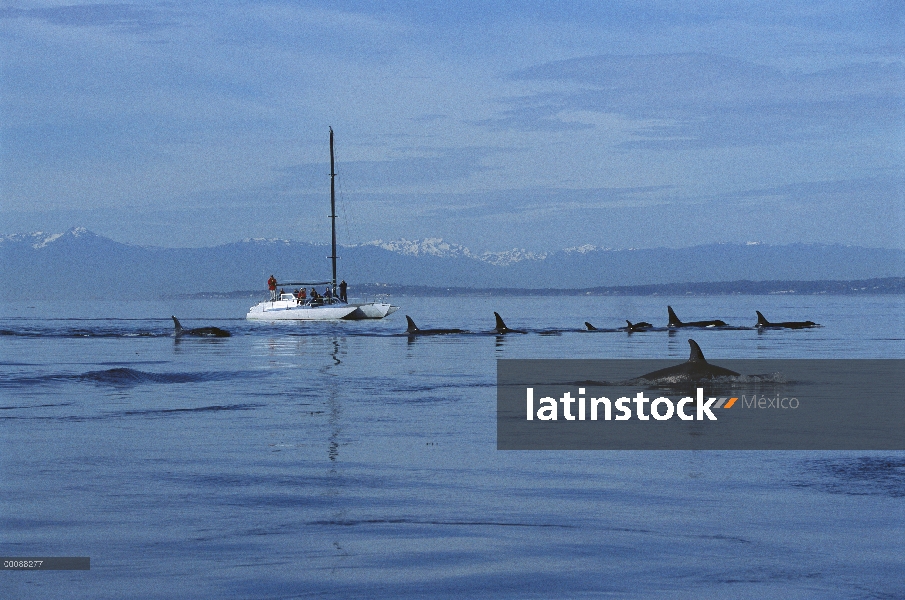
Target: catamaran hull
(371, 310)
(287, 310)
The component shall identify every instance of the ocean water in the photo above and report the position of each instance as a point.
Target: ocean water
(347, 460)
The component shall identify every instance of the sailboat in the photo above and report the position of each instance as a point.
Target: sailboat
(287, 307)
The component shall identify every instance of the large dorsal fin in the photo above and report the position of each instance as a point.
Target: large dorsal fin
(500, 325)
(761, 319)
(177, 325)
(412, 327)
(696, 354)
(589, 326)
(629, 323)
(673, 319)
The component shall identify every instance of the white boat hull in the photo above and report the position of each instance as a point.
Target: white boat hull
(290, 310)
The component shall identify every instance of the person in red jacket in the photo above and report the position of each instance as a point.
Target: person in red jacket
(272, 285)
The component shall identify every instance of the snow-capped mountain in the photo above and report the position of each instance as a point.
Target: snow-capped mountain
(440, 248)
(40, 239)
(79, 263)
(425, 247)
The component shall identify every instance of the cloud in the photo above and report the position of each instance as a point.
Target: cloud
(869, 194)
(138, 19)
(443, 165)
(704, 100)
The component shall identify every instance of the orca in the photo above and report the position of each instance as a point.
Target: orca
(501, 326)
(763, 323)
(675, 322)
(632, 327)
(200, 331)
(413, 329)
(695, 368)
(590, 327)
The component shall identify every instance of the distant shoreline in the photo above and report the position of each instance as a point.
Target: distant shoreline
(884, 286)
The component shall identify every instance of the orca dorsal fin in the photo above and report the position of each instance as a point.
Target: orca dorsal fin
(761, 319)
(177, 325)
(673, 319)
(589, 326)
(412, 327)
(696, 354)
(500, 325)
(628, 324)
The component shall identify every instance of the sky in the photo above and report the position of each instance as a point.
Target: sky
(537, 125)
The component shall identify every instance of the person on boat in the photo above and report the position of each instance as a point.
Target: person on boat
(272, 284)
(327, 293)
(302, 295)
(343, 286)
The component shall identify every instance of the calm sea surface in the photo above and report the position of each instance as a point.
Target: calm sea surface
(346, 460)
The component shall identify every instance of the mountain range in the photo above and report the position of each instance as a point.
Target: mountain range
(81, 264)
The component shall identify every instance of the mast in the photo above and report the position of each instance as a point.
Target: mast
(333, 212)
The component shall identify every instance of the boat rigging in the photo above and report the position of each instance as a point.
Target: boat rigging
(330, 307)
